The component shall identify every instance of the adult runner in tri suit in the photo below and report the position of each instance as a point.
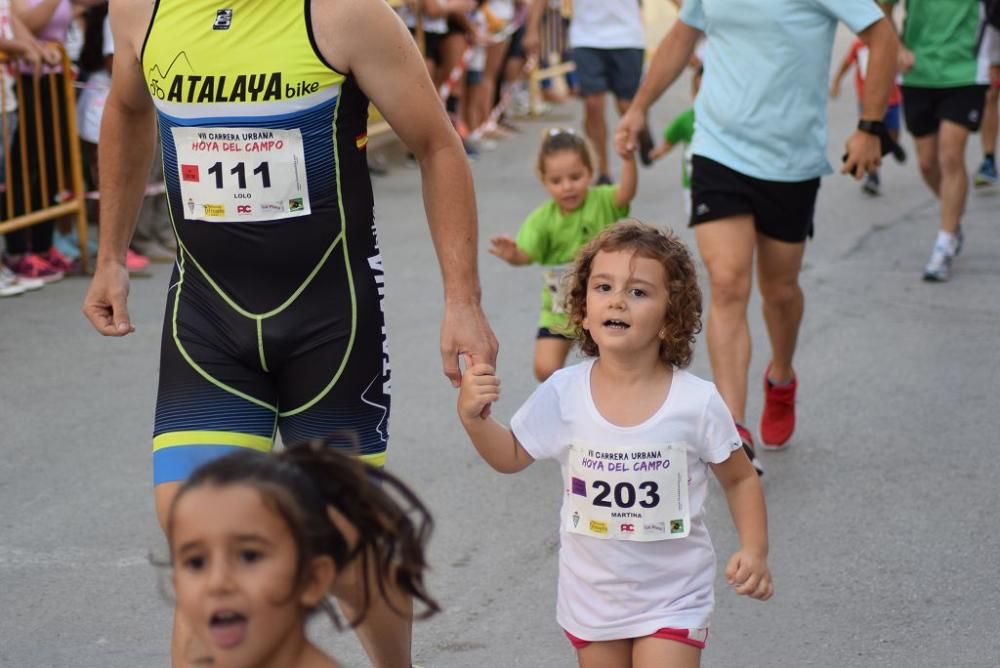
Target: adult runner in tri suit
(274, 312)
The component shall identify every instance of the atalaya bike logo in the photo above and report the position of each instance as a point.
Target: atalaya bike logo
(179, 82)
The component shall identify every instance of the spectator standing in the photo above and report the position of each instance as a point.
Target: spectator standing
(16, 41)
(30, 252)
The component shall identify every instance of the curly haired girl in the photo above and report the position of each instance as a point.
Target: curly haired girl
(635, 435)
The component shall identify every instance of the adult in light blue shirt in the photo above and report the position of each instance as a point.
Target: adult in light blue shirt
(762, 105)
(759, 150)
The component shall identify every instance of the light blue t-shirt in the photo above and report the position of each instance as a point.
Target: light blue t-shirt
(761, 109)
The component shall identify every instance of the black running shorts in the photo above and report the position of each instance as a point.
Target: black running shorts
(781, 210)
(925, 108)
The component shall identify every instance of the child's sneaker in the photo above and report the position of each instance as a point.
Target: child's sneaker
(8, 284)
(66, 244)
(27, 284)
(748, 448)
(134, 261)
(60, 262)
(987, 174)
(31, 266)
(871, 185)
(777, 421)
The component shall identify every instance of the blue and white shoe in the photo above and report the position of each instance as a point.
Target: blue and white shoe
(987, 174)
(66, 244)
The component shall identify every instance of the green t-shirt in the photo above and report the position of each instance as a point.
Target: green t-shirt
(681, 131)
(552, 240)
(942, 36)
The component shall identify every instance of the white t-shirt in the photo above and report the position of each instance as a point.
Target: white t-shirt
(606, 24)
(612, 589)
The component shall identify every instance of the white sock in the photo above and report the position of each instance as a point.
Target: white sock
(947, 241)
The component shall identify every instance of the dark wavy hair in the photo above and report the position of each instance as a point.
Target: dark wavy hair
(389, 525)
(683, 320)
(557, 140)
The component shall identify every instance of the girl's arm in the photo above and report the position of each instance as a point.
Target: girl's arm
(661, 151)
(507, 249)
(495, 443)
(13, 46)
(845, 66)
(629, 181)
(35, 17)
(747, 570)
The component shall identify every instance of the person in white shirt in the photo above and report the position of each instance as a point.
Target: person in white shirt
(608, 48)
(635, 435)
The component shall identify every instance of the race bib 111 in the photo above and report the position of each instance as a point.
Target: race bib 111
(235, 175)
(635, 493)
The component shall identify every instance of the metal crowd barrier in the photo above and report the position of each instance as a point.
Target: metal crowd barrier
(65, 197)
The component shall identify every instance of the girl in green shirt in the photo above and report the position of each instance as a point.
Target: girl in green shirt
(552, 234)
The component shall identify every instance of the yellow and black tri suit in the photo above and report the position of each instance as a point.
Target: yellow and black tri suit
(274, 313)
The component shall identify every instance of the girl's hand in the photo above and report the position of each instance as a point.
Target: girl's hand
(51, 54)
(480, 388)
(905, 59)
(506, 249)
(748, 574)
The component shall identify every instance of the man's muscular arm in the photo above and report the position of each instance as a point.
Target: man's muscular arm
(124, 156)
(367, 39)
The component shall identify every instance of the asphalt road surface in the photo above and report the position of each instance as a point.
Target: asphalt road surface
(884, 512)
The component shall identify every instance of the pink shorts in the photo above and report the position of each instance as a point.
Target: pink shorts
(693, 637)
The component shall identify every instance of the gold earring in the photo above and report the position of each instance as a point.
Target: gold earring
(663, 333)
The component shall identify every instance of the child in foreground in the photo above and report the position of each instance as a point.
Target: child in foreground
(635, 435)
(259, 540)
(554, 232)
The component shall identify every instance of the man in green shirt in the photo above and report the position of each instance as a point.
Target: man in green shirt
(945, 76)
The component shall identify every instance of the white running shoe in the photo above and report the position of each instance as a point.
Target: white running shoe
(938, 269)
(8, 284)
(7, 277)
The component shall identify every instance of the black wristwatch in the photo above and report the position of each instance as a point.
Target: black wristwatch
(876, 128)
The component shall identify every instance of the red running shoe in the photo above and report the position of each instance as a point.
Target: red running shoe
(747, 439)
(777, 422)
